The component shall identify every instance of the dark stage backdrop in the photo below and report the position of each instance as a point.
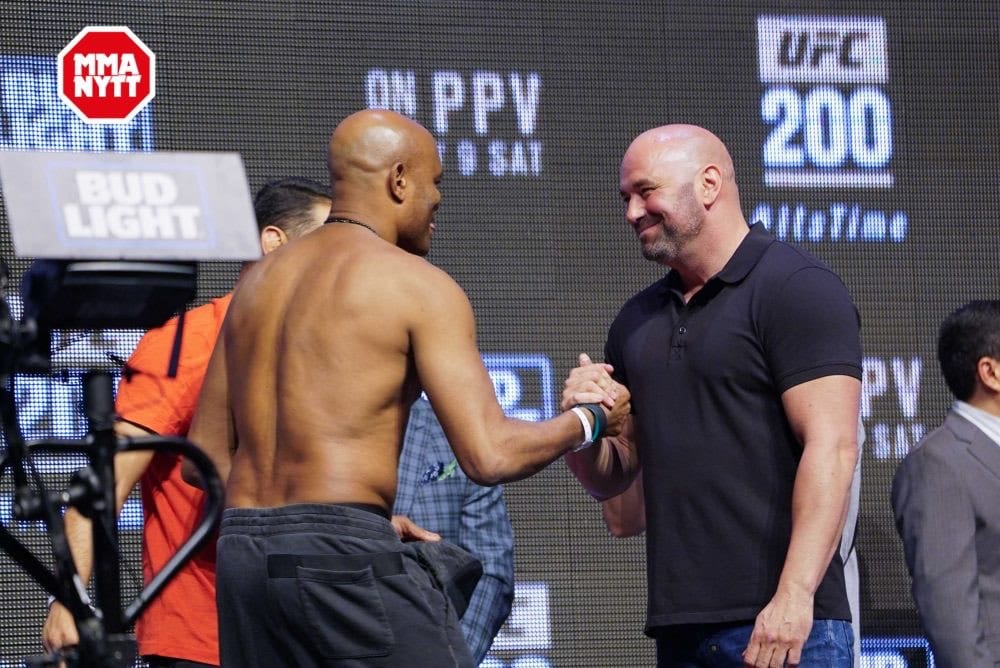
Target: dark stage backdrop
(864, 131)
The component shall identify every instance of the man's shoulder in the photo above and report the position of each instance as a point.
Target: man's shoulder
(360, 272)
(937, 464)
(211, 311)
(412, 279)
(793, 278)
(940, 445)
(784, 258)
(209, 314)
(636, 310)
(201, 325)
(395, 265)
(195, 319)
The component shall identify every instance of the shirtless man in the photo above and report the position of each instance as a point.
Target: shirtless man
(309, 569)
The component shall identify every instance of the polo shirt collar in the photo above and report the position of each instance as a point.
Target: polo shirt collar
(747, 254)
(746, 257)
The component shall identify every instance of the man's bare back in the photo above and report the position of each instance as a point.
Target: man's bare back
(322, 408)
(328, 342)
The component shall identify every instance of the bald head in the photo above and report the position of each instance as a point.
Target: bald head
(688, 148)
(384, 171)
(679, 189)
(372, 140)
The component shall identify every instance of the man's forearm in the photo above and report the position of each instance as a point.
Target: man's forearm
(79, 529)
(129, 467)
(605, 469)
(81, 542)
(625, 514)
(819, 507)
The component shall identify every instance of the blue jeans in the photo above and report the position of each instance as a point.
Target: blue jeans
(830, 645)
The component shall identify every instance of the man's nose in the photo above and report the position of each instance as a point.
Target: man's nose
(635, 210)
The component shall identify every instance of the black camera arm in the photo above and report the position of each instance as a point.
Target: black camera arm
(93, 493)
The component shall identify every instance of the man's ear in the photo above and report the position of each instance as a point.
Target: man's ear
(710, 185)
(988, 370)
(397, 182)
(271, 238)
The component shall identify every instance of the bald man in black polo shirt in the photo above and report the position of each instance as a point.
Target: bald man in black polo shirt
(744, 364)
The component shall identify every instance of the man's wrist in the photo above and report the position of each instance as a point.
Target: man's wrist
(600, 420)
(588, 431)
(84, 598)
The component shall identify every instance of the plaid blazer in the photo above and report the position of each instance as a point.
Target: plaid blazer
(435, 493)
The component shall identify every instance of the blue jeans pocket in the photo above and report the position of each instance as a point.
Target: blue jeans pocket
(830, 645)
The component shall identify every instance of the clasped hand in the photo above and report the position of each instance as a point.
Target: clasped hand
(591, 383)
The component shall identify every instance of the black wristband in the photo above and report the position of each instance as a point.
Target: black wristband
(600, 420)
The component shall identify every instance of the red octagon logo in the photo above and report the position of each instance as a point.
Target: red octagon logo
(106, 74)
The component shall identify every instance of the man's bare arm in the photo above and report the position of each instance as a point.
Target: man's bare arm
(490, 447)
(212, 425)
(607, 469)
(625, 514)
(60, 629)
(823, 413)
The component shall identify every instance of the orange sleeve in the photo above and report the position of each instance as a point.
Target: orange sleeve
(147, 396)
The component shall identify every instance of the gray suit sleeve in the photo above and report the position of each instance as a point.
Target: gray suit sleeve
(936, 521)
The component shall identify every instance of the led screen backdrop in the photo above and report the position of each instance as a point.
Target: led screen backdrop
(864, 131)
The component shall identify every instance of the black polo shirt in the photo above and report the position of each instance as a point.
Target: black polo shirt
(718, 456)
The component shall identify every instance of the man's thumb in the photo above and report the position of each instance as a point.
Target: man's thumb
(584, 359)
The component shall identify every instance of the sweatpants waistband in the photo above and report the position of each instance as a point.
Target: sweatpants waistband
(299, 516)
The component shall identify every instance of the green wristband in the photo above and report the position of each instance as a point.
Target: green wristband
(600, 420)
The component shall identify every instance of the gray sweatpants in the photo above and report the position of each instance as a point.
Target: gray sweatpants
(330, 585)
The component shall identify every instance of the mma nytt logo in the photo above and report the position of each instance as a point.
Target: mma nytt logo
(106, 74)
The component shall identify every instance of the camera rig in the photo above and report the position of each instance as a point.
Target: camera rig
(87, 295)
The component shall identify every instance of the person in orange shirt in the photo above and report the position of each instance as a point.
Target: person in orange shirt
(179, 629)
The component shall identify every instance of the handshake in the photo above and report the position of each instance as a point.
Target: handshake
(590, 389)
